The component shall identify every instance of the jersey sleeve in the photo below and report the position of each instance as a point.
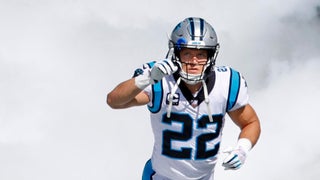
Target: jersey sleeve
(238, 91)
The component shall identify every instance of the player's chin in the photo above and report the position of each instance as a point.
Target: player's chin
(194, 71)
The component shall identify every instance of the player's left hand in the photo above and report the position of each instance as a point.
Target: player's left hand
(237, 156)
(235, 159)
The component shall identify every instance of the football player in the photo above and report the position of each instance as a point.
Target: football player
(188, 98)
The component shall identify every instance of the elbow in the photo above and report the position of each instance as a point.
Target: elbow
(113, 102)
(110, 102)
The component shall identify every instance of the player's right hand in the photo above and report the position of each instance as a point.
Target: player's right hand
(162, 68)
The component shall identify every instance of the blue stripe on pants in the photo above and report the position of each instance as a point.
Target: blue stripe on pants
(148, 172)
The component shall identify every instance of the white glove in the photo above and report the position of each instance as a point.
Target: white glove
(238, 155)
(146, 76)
(161, 69)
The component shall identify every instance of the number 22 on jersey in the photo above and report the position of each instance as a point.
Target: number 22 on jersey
(186, 133)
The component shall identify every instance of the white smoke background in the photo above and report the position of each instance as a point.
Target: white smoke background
(58, 60)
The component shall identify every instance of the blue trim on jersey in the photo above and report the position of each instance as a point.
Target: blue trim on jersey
(151, 64)
(234, 88)
(148, 172)
(157, 94)
(157, 97)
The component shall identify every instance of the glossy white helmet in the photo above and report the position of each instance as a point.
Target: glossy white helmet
(193, 32)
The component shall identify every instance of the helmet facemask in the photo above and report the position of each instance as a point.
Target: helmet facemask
(191, 78)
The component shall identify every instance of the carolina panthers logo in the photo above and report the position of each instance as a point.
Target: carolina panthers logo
(175, 100)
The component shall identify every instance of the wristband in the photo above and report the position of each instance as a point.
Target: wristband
(244, 144)
(143, 80)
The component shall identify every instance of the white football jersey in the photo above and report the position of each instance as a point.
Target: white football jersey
(186, 144)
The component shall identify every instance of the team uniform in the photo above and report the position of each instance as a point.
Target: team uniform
(186, 142)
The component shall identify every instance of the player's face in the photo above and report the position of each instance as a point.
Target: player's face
(193, 60)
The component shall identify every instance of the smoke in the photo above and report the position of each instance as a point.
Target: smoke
(59, 59)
